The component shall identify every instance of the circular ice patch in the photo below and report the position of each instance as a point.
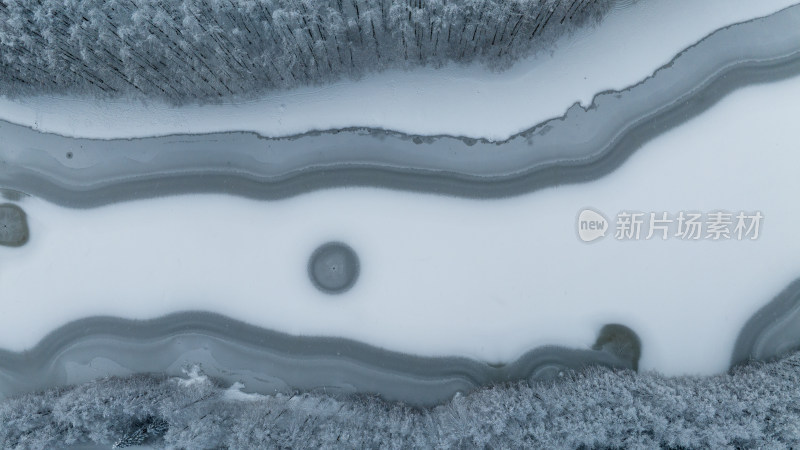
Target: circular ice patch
(333, 268)
(621, 341)
(13, 225)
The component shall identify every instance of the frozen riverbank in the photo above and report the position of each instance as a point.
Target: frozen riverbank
(638, 38)
(97, 228)
(754, 407)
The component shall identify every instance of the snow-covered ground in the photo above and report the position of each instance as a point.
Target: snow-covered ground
(633, 41)
(442, 275)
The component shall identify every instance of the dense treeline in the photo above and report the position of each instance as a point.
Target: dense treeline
(211, 49)
(754, 406)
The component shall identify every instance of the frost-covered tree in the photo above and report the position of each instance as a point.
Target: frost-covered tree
(208, 50)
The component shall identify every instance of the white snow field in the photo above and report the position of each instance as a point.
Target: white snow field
(473, 101)
(487, 279)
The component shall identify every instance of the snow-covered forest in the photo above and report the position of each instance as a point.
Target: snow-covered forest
(215, 49)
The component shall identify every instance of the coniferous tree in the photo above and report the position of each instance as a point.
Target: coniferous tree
(207, 50)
